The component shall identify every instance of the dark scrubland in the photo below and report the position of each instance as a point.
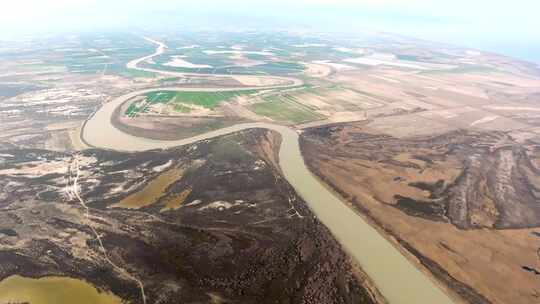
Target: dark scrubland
(230, 229)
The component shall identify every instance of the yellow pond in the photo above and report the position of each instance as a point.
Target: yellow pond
(151, 192)
(52, 290)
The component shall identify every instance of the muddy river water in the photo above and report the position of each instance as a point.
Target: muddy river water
(395, 276)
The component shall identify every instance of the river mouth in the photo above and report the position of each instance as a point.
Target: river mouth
(57, 290)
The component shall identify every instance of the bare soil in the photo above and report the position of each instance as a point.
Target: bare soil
(463, 203)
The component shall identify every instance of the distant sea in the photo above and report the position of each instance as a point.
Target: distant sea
(515, 48)
(525, 52)
(532, 55)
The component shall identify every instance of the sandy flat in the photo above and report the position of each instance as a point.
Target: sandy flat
(349, 50)
(63, 125)
(510, 108)
(210, 52)
(484, 120)
(237, 47)
(391, 60)
(337, 66)
(317, 70)
(242, 61)
(178, 62)
(375, 62)
(189, 46)
(386, 79)
(306, 45)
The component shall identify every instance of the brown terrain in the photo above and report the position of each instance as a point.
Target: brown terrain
(213, 222)
(464, 204)
(446, 164)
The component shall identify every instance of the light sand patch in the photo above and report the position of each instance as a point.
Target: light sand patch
(336, 66)
(170, 109)
(307, 45)
(343, 49)
(317, 70)
(178, 62)
(240, 108)
(58, 141)
(241, 60)
(391, 60)
(484, 120)
(409, 126)
(472, 91)
(37, 169)
(469, 117)
(210, 52)
(220, 205)
(237, 47)
(362, 81)
(78, 243)
(189, 46)
(63, 125)
(347, 116)
(499, 77)
(314, 100)
(376, 62)
(473, 53)
(162, 167)
(256, 81)
(511, 108)
(386, 79)
(446, 113)
(349, 50)
(194, 203)
(337, 102)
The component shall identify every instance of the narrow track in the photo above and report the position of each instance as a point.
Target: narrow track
(75, 189)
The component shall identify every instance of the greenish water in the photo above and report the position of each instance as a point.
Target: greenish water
(52, 290)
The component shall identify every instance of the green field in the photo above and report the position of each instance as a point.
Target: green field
(181, 100)
(285, 109)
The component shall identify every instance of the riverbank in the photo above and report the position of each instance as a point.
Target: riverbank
(395, 276)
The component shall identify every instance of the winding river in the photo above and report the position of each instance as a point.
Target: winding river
(394, 275)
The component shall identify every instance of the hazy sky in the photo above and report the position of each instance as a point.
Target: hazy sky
(510, 27)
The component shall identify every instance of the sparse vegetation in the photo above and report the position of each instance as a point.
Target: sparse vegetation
(284, 108)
